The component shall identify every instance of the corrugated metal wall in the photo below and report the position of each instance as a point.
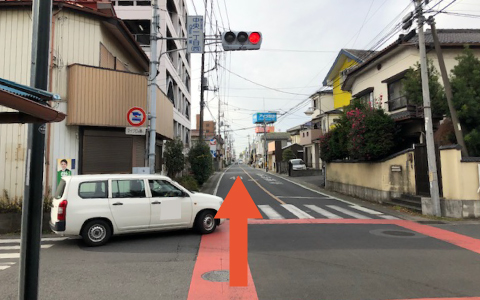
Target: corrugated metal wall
(15, 48)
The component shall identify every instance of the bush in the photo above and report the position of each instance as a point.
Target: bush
(200, 161)
(15, 205)
(362, 133)
(174, 158)
(189, 183)
(288, 155)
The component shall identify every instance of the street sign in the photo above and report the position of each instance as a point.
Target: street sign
(136, 116)
(195, 34)
(268, 117)
(136, 130)
(213, 142)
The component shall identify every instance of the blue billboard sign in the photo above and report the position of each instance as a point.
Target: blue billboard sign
(270, 117)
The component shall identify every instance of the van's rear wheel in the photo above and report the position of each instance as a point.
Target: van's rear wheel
(206, 222)
(96, 233)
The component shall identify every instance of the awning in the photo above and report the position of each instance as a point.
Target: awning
(30, 104)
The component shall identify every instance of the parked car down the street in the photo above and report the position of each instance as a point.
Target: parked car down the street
(99, 206)
(298, 164)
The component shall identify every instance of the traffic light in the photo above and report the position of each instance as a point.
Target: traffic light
(241, 40)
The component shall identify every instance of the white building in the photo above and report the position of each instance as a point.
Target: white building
(174, 72)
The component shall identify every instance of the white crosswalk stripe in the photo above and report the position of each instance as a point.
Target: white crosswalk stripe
(10, 250)
(348, 212)
(18, 247)
(328, 211)
(389, 217)
(297, 212)
(270, 212)
(367, 210)
(323, 212)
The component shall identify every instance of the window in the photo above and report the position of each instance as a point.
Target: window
(60, 189)
(162, 188)
(396, 96)
(315, 104)
(93, 189)
(128, 188)
(303, 134)
(307, 133)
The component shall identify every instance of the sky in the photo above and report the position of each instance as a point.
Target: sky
(301, 40)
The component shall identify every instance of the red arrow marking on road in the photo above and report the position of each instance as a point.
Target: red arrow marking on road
(238, 207)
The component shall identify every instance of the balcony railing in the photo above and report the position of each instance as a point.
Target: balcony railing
(397, 103)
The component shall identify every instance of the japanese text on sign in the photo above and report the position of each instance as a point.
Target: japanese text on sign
(195, 34)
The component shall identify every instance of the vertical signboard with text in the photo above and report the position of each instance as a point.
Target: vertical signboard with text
(195, 34)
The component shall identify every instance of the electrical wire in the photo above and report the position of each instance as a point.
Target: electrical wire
(363, 24)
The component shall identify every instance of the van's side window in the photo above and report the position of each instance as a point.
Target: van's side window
(134, 188)
(93, 189)
(161, 188)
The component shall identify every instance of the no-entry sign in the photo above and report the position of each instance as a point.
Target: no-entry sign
(136, 116)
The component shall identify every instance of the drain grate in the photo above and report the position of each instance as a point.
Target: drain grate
(398, 233)
(217, 276)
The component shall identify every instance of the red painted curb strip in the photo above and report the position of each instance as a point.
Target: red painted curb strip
(213, 255)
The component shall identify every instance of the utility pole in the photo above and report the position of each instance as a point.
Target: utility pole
(152, 86)
(33, 195)
(202, 85)
(432, 163)
(448, 89)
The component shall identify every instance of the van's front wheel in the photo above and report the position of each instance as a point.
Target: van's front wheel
(96, 233)
(205, 222)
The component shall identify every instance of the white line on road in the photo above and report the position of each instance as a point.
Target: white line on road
(11, 241)
(297, 212)
(389, 217)
(348, 212)
(310, 189)
(302, 197)
(9, 255)
(4, 267)
(18, 247)
(218, 183)
(364, 209)
(323, 212)
(270, 212)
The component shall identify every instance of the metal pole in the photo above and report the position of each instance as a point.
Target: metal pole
(265, 145)
(432, 164)
(152, 86)
(448, 89)
(33, 196)
(202, 100)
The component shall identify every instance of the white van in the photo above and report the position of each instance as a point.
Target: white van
(99, 206)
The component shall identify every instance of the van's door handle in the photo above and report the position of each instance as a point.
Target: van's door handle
(156, 202)
(117, 203)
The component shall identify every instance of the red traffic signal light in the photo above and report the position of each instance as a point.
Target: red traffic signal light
(254, 38)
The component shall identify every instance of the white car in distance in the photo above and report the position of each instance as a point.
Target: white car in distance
(99, 206)
(298, 164)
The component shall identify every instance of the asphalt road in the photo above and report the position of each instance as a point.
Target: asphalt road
(334, 249)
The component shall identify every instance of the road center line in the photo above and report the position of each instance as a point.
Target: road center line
(264, 189)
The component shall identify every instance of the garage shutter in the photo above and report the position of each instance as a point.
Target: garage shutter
(106, 151)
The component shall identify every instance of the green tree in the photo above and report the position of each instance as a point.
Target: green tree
(288, 155)
(174, 158)
(466, 98)
(412, 86)
(201, 163)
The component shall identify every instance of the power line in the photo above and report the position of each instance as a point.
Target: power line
(226, 12)
(259, 84)
(363, 24)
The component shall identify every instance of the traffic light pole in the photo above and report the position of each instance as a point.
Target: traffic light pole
(202, 100)
(33, 196)
(432, 163)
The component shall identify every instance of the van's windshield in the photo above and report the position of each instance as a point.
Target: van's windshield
(60, 189)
